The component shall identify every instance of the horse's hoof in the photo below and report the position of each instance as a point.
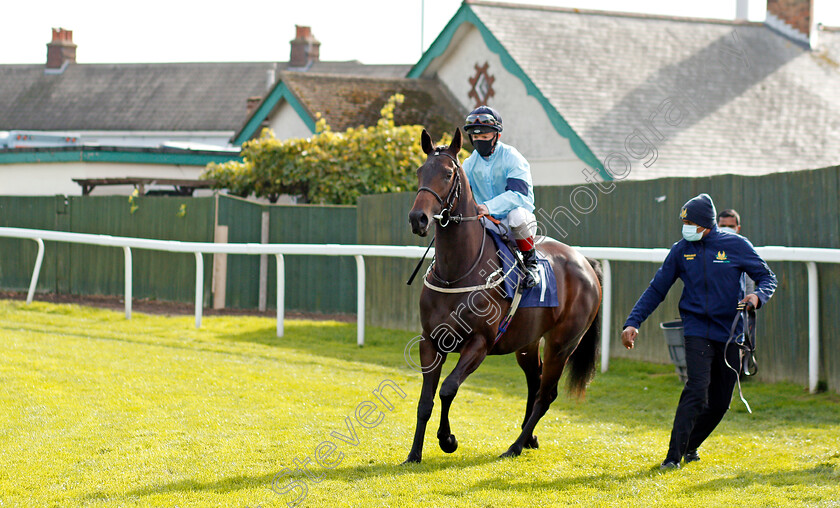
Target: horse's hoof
(532, 443)
(512, 452)
(412, 459)
(449, 444)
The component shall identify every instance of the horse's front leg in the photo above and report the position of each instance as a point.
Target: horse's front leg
(431, 362)
(471, 357)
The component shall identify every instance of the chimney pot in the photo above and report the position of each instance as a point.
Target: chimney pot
(61, 49)
(305, 48)
(303, 32)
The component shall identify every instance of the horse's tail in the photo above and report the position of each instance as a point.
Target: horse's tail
(581, 364)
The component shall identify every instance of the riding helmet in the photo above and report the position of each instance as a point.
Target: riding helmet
(483, 119)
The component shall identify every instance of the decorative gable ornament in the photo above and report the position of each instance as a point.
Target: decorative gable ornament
(482, 85)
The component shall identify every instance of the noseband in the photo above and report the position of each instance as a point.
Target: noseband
(448, 204)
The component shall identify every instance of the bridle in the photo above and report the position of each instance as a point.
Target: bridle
(448, 204)
(445, 217)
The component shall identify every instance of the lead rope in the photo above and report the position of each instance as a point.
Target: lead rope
(745, 344)
(417, 268)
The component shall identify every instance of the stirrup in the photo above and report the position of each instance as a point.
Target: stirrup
(532, 279)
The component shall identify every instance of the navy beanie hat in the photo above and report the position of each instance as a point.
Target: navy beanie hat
(700, 210)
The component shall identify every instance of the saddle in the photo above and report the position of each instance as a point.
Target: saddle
(543, 294)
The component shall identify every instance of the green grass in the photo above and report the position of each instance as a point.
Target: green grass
(101, 411)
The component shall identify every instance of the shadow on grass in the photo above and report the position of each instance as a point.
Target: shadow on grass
(822, 474)
(341, 474)
(604, 481)
(818, 475)
(631, 393)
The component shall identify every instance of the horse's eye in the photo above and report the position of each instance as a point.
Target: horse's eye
(449, 175)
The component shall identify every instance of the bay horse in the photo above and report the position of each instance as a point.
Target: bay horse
(467, 322)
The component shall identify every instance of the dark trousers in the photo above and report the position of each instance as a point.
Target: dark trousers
(706, 396)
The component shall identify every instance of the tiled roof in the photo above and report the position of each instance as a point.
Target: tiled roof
(351, 101)
(761, 102)
(154, 96)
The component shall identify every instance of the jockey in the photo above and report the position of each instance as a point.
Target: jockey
(500, 179)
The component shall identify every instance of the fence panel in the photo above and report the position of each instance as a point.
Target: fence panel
(389, 302)
(17, 257)
(244, 222)
(316, 283)
(158, 275)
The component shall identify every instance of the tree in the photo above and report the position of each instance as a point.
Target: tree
(329, 167)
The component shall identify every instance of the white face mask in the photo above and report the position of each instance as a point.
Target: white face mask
(690, 233)
(728, 230)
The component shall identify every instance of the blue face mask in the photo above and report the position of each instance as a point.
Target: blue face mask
(690, 233)
(728, 230)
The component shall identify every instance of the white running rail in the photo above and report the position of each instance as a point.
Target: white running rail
(810, 256)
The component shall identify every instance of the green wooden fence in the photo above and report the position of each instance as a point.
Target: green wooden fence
(84, 269)
(313, 283)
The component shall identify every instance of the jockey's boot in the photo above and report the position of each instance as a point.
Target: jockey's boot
(532, 278)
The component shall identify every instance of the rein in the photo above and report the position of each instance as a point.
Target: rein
(474, 265)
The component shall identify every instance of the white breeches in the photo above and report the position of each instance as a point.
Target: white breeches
(520, 221)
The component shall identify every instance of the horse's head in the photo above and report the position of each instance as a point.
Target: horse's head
(439, 183)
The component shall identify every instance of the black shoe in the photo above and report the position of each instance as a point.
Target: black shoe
(691, 456)
(529, 259)
(669, 464)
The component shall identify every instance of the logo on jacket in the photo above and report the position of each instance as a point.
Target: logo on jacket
(721, 257)
(683, 213)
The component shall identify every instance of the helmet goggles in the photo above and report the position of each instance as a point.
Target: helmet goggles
(485, 118)
(478, 123)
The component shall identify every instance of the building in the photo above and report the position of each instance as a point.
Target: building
(138, 121)
(589, 95)
(585, 96)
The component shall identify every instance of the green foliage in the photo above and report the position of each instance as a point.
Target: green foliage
(330, 167)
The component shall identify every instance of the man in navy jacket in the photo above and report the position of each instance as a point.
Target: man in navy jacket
(710, 263)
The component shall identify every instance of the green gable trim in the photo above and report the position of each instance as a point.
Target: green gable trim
(466, 15)
(280, 91)
(85, 154)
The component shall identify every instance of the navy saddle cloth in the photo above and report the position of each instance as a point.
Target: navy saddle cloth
(542, 295)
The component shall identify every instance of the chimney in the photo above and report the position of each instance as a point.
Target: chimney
(742, 10)
(305, 47)
(794, 19)
(61, 50)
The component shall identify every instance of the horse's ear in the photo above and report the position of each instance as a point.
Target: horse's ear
(426, 142)
(455, 146)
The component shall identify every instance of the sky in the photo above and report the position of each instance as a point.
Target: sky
(371, 31)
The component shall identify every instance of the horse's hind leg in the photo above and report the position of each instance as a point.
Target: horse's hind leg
(529, 360)
(471, 357)
(557, 351)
